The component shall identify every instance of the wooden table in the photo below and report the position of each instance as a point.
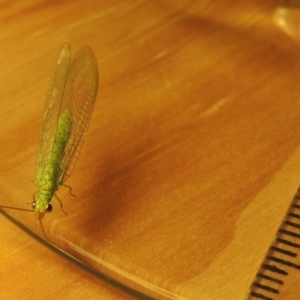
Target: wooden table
(192, 156)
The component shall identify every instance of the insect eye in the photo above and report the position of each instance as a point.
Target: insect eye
(33, 205)
(49, 208)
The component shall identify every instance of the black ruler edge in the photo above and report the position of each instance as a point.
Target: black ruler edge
(277, 268)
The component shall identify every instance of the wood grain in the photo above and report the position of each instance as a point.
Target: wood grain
(191, 158)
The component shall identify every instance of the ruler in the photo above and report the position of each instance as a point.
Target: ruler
(278, 277)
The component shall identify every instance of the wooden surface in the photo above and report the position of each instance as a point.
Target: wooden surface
(192, 156)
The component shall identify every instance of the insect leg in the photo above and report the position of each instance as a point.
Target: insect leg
(69, 188)
(34, 195)
(61, 206)
(44, 232)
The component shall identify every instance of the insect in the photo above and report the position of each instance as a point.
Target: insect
(69, 106)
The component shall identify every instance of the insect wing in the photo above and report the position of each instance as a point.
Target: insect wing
(53, 107)
(79, 95)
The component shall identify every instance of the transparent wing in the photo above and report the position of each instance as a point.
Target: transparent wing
(79, 95)
(52, 108)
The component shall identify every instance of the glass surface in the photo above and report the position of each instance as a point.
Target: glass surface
(40, 238)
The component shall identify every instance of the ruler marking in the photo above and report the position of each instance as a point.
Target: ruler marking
(283, 262)
(294, 215)
(290, 233)
(274, 269)
(266, 288)
(286, 252)
(292, 224)
(263, 276)
(295, 205)
(260, 296)
(288, 243)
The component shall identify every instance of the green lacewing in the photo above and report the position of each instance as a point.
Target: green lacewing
(69, 106)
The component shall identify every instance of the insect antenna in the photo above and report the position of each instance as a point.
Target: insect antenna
(17, 208)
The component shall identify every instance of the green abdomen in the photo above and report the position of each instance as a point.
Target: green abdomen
(49, 180)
